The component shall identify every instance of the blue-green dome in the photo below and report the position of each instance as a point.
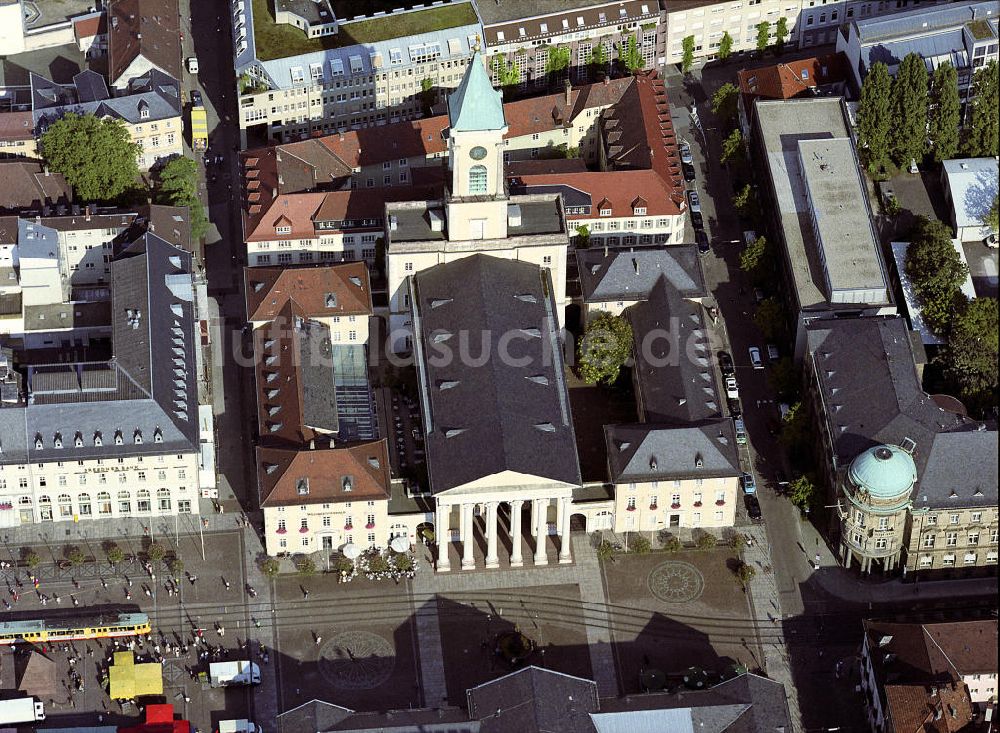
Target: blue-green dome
(884, 471)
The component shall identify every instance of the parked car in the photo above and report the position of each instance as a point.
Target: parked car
(685, 151)
(735, 408)
(693, 201)
(702, 240)
(192, 64)
(748, 483)
(772, 352)
(689, 175)
(755, 359)
(753, 508)
(726, 364)
(196, 98)
(783, 410)
(749, 237)
(696, 221)
(741, 430)
(732, 390)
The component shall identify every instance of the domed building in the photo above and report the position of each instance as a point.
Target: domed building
(876, 500)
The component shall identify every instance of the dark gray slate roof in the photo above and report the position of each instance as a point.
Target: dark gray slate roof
(534, 700)
(319, 402)
(649, 452)
(488, 416)
(156, 94)
(148, 388)
(90, 86)
(873, 395)
(673, 371)
(744, 704)
(630, 274)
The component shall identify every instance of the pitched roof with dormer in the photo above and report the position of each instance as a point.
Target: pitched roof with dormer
(622, 193)
(654, 452)
(626, 275)
(291, 477)
(324, 291)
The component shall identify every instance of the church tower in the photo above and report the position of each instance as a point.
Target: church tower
(477, 200)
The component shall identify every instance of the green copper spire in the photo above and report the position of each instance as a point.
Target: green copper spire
(475, 104)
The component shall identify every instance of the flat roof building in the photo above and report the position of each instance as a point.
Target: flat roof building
(820, 212)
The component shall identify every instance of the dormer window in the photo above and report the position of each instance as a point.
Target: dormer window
(302, 487)
(98, 440)
(38, 442)
(284, 229)
(157, 436)
(331, 300)
(119, 440)
(137, 437)
(78, 440)
(143, 113)
(639, 211)
(57, 442)
(347, 483)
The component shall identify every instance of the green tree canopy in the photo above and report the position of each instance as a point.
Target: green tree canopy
(724, 103)
(944, 112)
(763, 34)
(770, 318)
(687, 60)
(97, 157)
(781, 31)
(754, 256)
(270, 567)
(802, 492)
(992, 219)
(936, 271)
(558, 59)
(725, 46)
(909, 128)
(629, 55)
(178, 186)
(745, 200)
(983, 134)
(784, 379)
(507, 72)
(599, 56)
(732, 146)
(875, 117)
(970, 357)
(604, 349)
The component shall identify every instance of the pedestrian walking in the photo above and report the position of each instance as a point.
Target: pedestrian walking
(319, 640)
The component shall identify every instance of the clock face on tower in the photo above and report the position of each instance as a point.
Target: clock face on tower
(477, 153)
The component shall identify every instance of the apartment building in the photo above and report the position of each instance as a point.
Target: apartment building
(581, 40)
(364, 74)
(29, 186)
(17, 135)
(916, 484)
(962, 33)
(118, 437)
(149, 107)
(926, 675)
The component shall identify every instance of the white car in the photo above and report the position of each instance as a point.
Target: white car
(732, 390)
(192, 64)
(755, 359)
(685, 151)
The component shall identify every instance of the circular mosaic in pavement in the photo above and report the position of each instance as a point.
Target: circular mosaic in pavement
(357, 660)
(676, 582)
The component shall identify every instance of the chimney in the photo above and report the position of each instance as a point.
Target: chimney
(569, 93)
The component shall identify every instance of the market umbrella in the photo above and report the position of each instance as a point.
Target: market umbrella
(400, 544)
(351, 551)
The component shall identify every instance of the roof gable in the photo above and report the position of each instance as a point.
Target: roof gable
(291, 476)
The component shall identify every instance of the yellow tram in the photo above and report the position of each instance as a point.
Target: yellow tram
(79, 626)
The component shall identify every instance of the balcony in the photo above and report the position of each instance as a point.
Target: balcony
(348, 527)
(282, 530)
(697, 505)
(370, 525)
(303, 530)
(720, 502)
(630, 508)
(675, 505)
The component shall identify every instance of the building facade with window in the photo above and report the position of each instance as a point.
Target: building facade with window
(364, 75)
(962, 33)
(580, 41)
(116, 438)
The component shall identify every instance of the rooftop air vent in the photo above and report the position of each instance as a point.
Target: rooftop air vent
(545, 427)
(453, 432)
(331, 300)
(347, 483)
(438, 302)
(538, 379)
(374, 462)
(444, 384)
(526, 298)
(302, 487)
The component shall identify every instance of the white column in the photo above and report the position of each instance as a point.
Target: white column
(468, 537)
(443, 537)
(492, 560)
(563, 525)
(515, 533)
(541, 530)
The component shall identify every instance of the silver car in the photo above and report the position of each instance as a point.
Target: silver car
(755, 358)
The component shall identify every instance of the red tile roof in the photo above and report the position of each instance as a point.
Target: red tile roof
(792, 79)
(295, 210)
(270, 289)
(364, 467)
(95, 24)
(369, 203)
(372, 145)
(619, 188)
